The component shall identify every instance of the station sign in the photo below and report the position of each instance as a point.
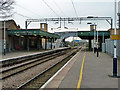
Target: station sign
(115, 37)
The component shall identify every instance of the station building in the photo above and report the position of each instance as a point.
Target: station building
(30, 39)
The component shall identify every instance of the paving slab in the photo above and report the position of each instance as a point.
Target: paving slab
(65, 78)
(97, 72)
(18, 53)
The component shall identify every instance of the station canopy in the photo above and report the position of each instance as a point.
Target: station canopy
(33, 32)
(88, 34)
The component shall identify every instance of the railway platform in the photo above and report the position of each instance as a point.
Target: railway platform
(85, 70)
(19, 53)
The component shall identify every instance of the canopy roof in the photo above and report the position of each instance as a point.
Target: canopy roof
(34, 32)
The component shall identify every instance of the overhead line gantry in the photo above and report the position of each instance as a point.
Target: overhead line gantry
(70, 19)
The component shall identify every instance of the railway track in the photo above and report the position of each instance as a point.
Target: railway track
(15, 75)
(38, 80)
(16, 69)
(16, 60)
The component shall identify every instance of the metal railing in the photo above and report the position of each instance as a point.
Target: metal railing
(110, 47)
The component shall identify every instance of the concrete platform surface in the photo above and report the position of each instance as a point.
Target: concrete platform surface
(18, 53)
(96, 72)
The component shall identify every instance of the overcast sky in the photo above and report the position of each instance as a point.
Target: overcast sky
(36, 9)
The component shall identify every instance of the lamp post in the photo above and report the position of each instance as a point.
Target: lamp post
(94, 37)
(115, 49)
(26, 26)
(4, 41)
(97, 45)
(4, 37)
(73, 41)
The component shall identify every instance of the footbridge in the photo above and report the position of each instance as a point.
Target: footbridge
(88, 35)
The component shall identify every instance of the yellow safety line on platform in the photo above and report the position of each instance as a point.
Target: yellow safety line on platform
(80, 77)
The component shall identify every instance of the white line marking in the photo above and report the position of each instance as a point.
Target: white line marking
(57, 73)
(29, 55)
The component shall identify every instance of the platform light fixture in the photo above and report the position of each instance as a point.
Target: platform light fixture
(90, 17)
(22, 36)
(65, 27)
(17, 35)
(56, 22)
(58, 27)
(35, 35)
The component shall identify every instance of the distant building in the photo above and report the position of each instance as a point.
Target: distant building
(22, 39)
(44, 27)
(112, 31)
(92, 27)
(9, 24)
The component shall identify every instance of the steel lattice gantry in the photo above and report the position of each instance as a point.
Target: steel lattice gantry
(79, 19)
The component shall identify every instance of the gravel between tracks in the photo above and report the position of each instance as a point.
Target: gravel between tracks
(37, 61)
(17, 80)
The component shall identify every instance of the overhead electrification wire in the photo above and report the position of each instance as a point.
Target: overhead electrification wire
(28, 10)
(27, 16)
(59, 8)
(22, 15)
(50, 8)
(74, 8)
